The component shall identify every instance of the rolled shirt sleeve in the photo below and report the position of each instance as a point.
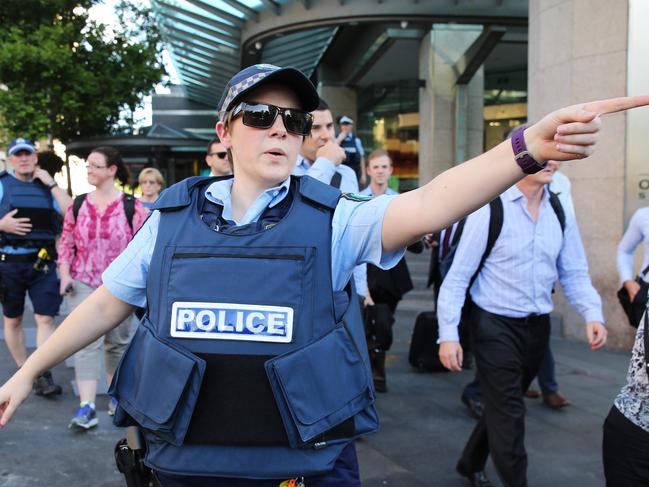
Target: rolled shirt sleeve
(356, 238)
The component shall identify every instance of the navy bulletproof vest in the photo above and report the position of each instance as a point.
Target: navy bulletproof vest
(246, 363)
(353, 158)
(36, 198)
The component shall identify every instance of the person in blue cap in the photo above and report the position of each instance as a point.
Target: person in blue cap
(248, 367)
(29, 202)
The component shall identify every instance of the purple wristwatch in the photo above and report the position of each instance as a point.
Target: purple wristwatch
(523, 158)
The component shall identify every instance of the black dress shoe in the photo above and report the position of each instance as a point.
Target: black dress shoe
(476, 408)
(477, 479)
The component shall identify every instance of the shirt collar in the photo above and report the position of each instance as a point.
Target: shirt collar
(513, 193)
(220, 193)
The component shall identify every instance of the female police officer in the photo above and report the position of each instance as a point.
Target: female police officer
(249, 362)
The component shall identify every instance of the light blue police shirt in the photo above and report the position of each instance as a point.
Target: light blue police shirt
(526, 261)
(8, 249)
(356, 239)
(360, 272)
(323, 170)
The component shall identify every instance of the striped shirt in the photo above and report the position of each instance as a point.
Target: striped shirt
(525, 263)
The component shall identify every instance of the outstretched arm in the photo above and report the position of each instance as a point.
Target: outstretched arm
(566, 134)
(98, 314)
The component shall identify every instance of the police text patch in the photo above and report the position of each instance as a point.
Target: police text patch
(228, 321)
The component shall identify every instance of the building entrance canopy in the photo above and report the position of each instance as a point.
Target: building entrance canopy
(210, 40)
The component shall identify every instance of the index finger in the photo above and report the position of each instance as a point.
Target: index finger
(7, 411)
(613, 105)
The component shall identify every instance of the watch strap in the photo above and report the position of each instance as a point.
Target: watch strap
(523, 158)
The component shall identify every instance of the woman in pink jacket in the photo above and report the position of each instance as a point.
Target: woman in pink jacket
(90, 241)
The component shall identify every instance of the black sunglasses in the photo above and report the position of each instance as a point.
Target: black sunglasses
(262, 116)
(220, 155)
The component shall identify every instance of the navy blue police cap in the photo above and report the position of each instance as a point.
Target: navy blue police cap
(259, 74)
(21, 144)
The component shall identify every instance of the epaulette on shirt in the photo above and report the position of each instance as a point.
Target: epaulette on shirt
(355, 197)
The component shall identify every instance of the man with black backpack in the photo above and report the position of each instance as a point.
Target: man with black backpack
(561, 202)
(509, 271)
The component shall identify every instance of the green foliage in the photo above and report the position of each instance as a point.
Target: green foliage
(65, 76)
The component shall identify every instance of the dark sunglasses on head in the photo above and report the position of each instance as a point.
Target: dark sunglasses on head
(220, 155)
(262, 116)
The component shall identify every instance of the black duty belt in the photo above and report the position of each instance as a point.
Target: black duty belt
(25, 258)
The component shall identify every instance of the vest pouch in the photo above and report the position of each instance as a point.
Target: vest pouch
(319, 387)
(157, 384)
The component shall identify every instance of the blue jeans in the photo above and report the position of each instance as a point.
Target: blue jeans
(546, 378)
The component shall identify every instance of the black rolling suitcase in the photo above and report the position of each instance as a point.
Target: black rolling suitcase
(424, 350)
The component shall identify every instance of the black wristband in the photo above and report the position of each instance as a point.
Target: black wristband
(52, 186)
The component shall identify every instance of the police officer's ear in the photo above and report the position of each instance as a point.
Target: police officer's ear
(223, 133)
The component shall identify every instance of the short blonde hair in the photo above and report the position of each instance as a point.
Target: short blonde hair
(378, 153)
(151, 171)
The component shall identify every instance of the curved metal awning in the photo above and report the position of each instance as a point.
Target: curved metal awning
(205, 38)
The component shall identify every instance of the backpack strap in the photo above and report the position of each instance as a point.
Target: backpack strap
(76, 205)
(129, 209)
(458, 232)
(555, 202)
(495, 227)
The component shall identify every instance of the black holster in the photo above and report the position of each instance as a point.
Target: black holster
(129, 458)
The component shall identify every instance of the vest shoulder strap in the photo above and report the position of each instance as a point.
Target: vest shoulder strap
(318, 192)
(555, 202)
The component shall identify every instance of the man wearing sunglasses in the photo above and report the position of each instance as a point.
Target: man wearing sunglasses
(29, 202)
(321, 157)
(217, 159)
